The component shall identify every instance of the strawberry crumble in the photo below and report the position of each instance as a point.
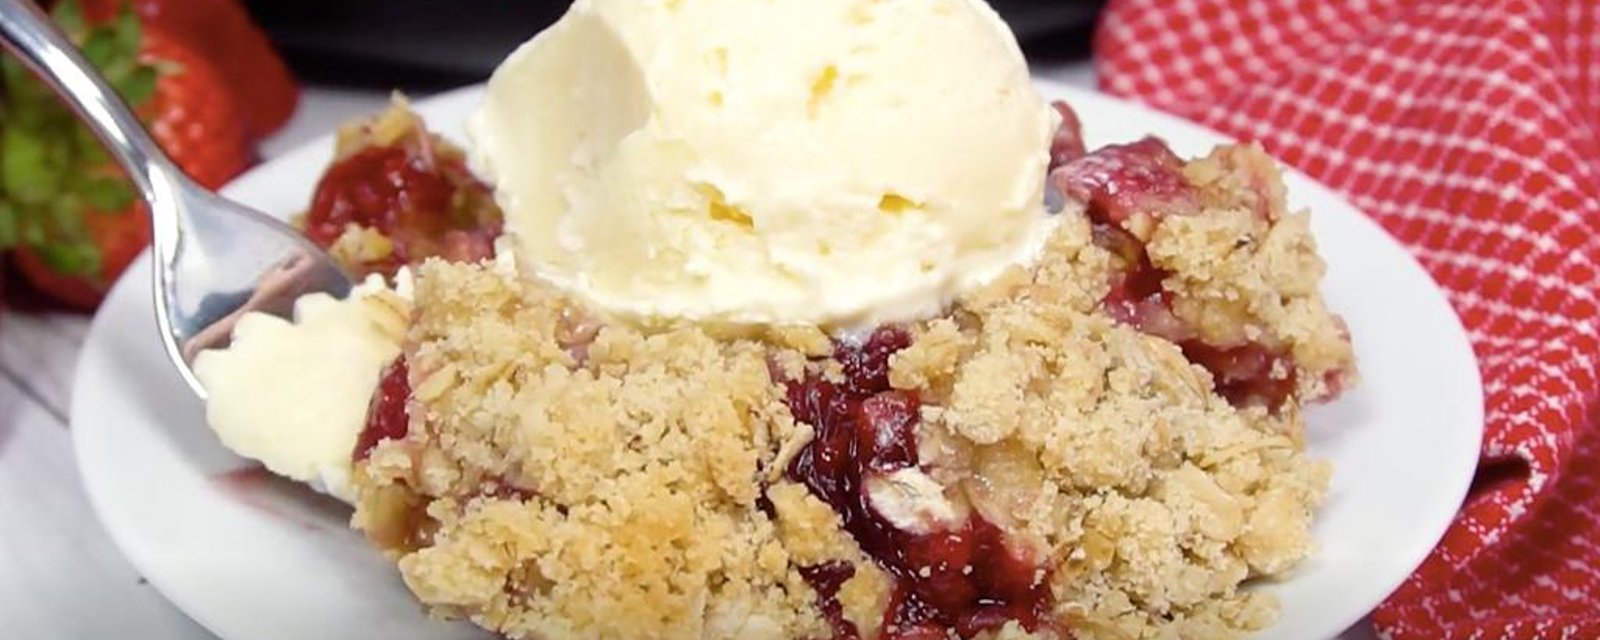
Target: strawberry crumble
(1106, 442)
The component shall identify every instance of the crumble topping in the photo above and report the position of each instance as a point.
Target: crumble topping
(620, 485)
(562, 476)
(808, 527)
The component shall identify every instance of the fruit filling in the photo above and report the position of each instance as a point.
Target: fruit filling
(397, 195)
(387, 415)
(951, 571)
(1122, 182)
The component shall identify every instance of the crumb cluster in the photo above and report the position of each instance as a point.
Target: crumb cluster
(569, 477)
(1245, 269)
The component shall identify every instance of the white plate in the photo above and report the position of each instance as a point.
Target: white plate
(253, 559)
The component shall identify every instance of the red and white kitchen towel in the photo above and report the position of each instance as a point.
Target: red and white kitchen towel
(1471, 131)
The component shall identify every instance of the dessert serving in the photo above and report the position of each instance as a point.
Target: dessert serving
(801, 319)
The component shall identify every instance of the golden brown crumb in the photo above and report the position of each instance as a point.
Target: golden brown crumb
(569, 478)
(360, 245)
(804, 340)
(382, 130)
(865, 597)
(808, 527)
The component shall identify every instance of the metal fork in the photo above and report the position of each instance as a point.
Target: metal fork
(214, 259)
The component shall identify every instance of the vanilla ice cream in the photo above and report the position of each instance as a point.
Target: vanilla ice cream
(840, 162)
(294, 395)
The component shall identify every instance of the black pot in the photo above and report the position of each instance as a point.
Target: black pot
(418, 43)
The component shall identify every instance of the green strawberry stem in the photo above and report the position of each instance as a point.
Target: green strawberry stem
(53, 171)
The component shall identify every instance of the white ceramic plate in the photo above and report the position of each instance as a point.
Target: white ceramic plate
(256, 559)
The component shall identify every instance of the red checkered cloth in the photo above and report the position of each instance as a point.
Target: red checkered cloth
(1471, 131)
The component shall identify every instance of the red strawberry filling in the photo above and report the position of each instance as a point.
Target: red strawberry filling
(826, 580)
(387, 415)
(964, 577)
(426, 204)
(1121, 181)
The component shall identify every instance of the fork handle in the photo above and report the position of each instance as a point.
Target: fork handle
(32, 37)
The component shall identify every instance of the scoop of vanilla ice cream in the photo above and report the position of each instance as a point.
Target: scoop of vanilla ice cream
(294, 395)
(840, 162)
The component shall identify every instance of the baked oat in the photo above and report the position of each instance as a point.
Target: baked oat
(1104, 444)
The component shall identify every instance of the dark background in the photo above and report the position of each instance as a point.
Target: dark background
(422, 44)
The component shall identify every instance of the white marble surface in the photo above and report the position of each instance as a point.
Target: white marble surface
(60, 575)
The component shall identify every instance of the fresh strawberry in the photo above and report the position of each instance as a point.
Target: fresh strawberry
(118, 237)
(70, 214)
(222, 32)
(192, 115)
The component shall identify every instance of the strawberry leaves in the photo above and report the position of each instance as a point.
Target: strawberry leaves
(114, 50)
(53, 172)
(8, 224)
